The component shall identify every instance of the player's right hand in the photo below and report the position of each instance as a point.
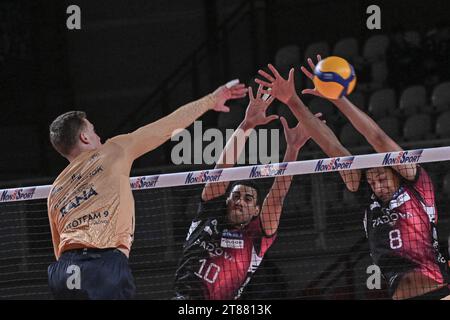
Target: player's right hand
(307, 73)
(296, 137)
(224, 93)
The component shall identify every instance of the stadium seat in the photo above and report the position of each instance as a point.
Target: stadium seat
(322, 48)
(440, 98)
(413, 37)
(382, 103)
(350, 137)
(358, 99)
(412, 100)
(443, 125)
(391, 126)
(417, 127)
(324, 106)
(287, 57)
(346, 48)
(379, 73)
(446, 184)
(375, 48)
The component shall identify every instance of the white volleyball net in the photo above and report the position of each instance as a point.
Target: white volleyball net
(321, 250)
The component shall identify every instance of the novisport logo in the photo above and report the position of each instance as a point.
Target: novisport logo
(268, 170)
(203, 177)
(334, 164)
(403, 157)
(17, 194)
(144, 182)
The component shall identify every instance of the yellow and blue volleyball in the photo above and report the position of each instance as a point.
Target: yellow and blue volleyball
(334, 77)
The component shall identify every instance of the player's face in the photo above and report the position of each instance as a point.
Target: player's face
(242, 204)
(383, 181)
(91, 136)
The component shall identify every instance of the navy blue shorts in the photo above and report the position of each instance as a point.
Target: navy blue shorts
(91, 274)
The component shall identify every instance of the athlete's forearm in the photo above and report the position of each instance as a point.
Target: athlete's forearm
(228, 159)
(361, 121)
(291, 154)
(318, 130)
(325, 138)
(376, 137)
(282, 184)
(154, 134)
(273, 204)
(234, 146)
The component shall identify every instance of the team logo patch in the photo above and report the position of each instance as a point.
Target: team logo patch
(232, 243)
(232, 239)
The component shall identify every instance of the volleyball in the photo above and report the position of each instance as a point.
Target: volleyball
(334, 77)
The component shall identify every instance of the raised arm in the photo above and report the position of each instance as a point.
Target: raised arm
(273, 203)
(365, 125)
(255, 115)
(154, 134)
(284, 90)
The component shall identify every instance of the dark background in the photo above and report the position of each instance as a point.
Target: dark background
(135, 61)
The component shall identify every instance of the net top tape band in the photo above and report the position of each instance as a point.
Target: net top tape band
(256, 171)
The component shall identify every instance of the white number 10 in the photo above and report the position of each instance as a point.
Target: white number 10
(211, 273)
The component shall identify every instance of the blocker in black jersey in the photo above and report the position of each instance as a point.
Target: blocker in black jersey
(219, 259)
(402, 233)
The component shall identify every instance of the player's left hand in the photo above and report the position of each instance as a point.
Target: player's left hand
(280, 88)
(255, 114)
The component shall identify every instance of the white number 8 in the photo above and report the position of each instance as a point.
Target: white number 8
(395, 239)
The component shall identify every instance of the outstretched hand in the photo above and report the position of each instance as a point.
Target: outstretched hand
(281, 88)
(255, 114)
(224, 93)
(307, 73)
(297, 136)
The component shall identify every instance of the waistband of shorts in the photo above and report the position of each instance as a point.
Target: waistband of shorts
(89, 250)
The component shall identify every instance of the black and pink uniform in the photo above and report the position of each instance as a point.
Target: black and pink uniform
(402, 233)
(218, 260)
